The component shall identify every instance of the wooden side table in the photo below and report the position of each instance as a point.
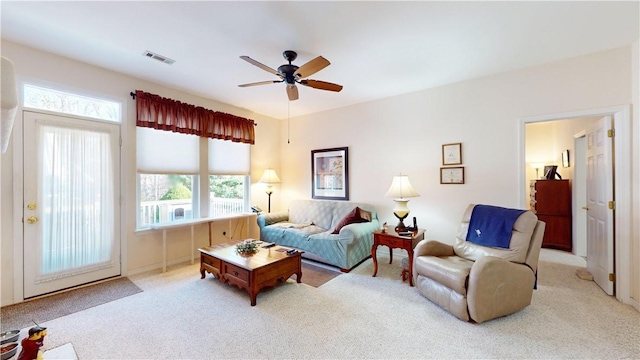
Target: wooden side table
(392, 239)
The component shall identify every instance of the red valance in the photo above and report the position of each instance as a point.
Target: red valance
(160, 113)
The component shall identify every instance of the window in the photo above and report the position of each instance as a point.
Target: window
(165, 198)
(167, 176)
(226, 194)
(169, 173)
(229, 165)
(53, 100)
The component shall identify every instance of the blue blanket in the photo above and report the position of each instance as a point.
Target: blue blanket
(492, 225)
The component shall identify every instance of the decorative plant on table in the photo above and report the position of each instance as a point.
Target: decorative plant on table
(247, 248)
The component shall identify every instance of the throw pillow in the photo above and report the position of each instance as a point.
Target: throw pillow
(365, 214)
(352, 217)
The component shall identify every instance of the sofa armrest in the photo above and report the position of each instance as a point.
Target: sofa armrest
(498, 287)
(432, 248)
(272, 218)
(354, 231)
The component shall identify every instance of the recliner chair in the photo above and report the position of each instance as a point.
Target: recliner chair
(476, 282)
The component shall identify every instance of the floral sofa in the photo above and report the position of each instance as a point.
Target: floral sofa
(338, 233)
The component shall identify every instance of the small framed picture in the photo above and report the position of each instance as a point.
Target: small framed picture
(452, 175)
(565, 159)
(452, 154)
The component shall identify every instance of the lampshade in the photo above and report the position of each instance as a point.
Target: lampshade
(269, 177)
(9, 99)
(536, 166)
(401, 188)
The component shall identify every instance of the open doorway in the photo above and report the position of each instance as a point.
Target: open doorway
(561, 143)
(622, 183)
(577, 214)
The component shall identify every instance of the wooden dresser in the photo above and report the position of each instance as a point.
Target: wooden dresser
(551, 201)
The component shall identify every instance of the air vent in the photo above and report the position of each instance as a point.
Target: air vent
(155, 56)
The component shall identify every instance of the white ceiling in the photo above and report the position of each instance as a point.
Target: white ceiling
(376, 49)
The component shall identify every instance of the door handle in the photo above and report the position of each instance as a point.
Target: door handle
(585, 208)
(32, 219)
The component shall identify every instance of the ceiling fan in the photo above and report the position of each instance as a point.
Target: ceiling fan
(292, 74)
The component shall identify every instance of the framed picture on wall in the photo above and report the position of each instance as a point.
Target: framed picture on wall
(330, 174)
(452, 154)
(452, 175)
(565, 159)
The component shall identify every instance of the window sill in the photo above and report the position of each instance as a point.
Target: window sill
(189, 222)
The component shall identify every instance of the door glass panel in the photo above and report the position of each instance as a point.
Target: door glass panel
(54, 100)
(76, 187)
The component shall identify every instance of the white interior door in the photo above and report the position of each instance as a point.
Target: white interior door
(599, 192)
(71, 202)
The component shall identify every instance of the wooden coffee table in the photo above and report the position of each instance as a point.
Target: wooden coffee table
(268, 267)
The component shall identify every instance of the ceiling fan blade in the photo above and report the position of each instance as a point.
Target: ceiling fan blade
(261, 83)
(261, 65)
(312, 67)
(322, 85)
(292, 92)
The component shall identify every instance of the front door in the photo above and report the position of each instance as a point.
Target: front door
(71, 202)
(600, 225)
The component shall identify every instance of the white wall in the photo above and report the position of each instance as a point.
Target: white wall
(635, 158)
(143, 249)
(405, 134)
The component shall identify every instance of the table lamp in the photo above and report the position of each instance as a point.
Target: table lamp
(269, 177)
(401, 190)
(537, 166)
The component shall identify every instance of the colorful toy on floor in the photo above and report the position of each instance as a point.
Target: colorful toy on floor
(31, 345)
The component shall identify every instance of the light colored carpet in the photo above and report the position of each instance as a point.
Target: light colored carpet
(62, 352)
(179, 315)
(43, 309)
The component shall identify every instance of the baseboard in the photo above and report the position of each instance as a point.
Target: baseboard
(157, 266)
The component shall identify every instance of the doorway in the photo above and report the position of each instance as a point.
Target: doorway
(71, 230)
(546, 141)
(622, 182)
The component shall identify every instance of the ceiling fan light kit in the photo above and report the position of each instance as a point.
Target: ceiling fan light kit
(292, 74)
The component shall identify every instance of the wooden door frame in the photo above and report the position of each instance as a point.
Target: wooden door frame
(622, 185)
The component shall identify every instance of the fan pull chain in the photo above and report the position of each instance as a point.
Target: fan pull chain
(288, 122)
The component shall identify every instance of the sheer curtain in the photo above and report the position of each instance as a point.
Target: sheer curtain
(76, 179)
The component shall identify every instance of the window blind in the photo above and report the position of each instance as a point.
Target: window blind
(229, 158)
(165, 152)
